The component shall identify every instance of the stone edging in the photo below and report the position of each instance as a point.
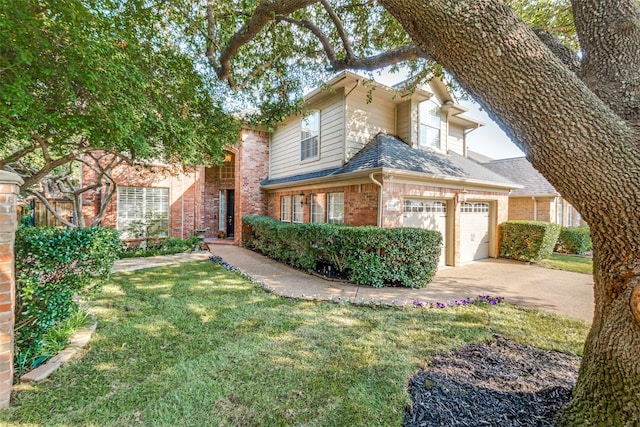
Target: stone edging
(77, 341)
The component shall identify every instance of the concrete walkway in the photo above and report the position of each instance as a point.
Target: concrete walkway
(560, 292)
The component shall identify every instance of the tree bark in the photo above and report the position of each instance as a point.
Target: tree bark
(584, 147)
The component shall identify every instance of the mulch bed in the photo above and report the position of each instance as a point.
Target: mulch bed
(500, 383)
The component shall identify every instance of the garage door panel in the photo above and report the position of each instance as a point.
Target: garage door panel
(474, 231)
(429, 215)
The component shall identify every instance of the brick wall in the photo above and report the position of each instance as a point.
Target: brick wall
(360, 202)
(9, 188)
(186, 191)
(526, 208)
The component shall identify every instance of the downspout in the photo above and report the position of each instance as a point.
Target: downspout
(379, 184)
(464, 139)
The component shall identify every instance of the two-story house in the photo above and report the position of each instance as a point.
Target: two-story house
(367, 154)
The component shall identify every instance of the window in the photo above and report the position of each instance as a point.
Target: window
(475, 207)
(143, 212)
(335, 208)
(429, 126)
(428, 206)
(317, 208)
(227, 167)
(309, 136)
(285, 209)
(297, 209)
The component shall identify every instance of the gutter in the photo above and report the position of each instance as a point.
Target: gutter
(379, 184)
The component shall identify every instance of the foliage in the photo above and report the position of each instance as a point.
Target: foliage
(80, 75)
(53, 266)
(196, 345)
(574, 240)
(528, 240)
(166, 246)
(367, 255)
(53, 341)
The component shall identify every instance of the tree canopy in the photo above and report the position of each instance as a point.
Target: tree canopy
(84, 75)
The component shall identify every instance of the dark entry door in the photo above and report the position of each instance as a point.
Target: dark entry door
(230, 212)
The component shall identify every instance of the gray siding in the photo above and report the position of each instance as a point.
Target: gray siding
(366, 120)
(455, 139)
(285, 143)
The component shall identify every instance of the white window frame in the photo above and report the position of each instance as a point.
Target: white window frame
(318, 215)
(310, 137)
(474, 207)
(297, 214)
(429, 125)
(285, 208)
(146, 206)
(335, 208)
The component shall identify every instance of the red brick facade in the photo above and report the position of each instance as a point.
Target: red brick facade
(360, 202)
(194, 195)
(8, 223)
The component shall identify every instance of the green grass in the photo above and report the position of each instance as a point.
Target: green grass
(196, 345)
(568, 263)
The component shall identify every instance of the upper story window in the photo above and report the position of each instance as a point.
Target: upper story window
(309, 136)
(227, 166)
(429, 125)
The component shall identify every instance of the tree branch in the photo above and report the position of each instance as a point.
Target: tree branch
(391, 57)
(50, 208)
(566, 55)
(339, 27)
(17, 155)
(262, 15)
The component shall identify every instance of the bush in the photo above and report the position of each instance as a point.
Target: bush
(528, 240)
(574, 240)
(157, 246)
(367, 255)
(52, 266)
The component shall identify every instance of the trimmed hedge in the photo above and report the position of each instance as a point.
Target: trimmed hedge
(53, 266)
(367, 255)
(574, 240)
(528, 240)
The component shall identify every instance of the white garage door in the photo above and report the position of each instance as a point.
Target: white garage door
(474, 231)
(429, 214)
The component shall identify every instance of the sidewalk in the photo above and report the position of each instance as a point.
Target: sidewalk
(560, 292)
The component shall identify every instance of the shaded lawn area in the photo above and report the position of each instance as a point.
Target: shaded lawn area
(196, 345)
(576, 264)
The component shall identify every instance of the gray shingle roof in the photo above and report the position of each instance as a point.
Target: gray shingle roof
(389, 152)
(521, 171)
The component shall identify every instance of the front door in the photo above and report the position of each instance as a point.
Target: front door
(230, 212)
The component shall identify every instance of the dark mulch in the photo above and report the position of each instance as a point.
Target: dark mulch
(501, 383)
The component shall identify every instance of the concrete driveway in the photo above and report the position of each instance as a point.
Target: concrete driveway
(560, 292)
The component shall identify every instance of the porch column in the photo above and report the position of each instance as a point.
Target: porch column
(9, 188)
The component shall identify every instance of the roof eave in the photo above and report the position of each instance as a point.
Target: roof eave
(451, 179)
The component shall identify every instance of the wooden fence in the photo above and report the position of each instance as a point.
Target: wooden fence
(44, 218)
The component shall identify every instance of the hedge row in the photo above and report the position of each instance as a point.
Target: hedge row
(574, 240)
(528, 240)
(53, 266)
(367, 255)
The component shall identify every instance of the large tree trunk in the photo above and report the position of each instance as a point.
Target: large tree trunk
(583, 144)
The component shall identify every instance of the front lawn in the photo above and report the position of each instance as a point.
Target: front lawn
(573, 263)
(196, 345)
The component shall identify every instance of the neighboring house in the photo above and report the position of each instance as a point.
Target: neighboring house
(367, 154)
(537, 199)
(161, 200)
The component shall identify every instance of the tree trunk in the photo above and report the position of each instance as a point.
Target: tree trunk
(582, 146)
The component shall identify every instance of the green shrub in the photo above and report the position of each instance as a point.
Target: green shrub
(574, 240)
(528, 240)
(163, 246)
(52, 266)
(367, 255)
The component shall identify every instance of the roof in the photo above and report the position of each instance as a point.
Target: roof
(389, 153)
(520, 170)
